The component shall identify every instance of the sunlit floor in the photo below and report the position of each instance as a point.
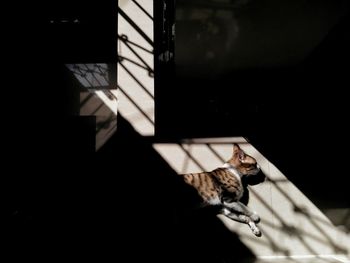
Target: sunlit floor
(294, 229)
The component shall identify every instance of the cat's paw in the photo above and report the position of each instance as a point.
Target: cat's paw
(255, 218)
(256, 231)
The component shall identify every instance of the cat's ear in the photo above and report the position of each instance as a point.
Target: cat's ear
(241, 155)
(238, 152)
(236, 148)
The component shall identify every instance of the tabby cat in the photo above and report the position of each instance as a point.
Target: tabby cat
(223, 187)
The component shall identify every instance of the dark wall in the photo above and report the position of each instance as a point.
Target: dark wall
(214, 37)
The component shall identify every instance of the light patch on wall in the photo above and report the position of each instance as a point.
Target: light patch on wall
(97, 99)
(135, 65)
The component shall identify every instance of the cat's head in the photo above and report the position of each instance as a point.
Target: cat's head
(246, 165)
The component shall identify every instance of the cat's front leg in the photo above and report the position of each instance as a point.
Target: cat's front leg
(239, 207)
(243, 219)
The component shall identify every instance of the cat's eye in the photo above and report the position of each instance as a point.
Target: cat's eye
(248, 165)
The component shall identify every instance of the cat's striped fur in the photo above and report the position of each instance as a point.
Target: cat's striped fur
(223, 187)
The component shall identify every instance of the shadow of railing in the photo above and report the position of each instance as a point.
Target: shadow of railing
(120, 60)
(136, 105)
(100, 101)
(312, 219)
(270, 243)
(289, 229)
(91, 76)
(124, 38)
(96, 79)
(321, 233)
(142, 9)
(135, 87)
(135, 26)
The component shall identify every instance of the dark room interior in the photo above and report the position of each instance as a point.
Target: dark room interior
(273, 72)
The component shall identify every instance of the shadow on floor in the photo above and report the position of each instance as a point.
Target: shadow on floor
(159, 210)
(102, 205)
